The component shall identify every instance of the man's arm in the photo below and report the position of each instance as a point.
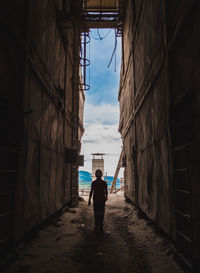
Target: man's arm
(90, 196)
(106, 192)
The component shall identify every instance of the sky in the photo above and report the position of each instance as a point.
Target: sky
(101, 113)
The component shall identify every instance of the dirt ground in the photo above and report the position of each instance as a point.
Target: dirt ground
(129, 244)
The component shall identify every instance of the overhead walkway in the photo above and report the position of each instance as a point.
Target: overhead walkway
(103, 14)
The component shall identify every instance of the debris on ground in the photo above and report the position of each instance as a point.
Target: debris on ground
(81, 199)
(126, 208)
(82, 225)
(70, 210)
(132, 245)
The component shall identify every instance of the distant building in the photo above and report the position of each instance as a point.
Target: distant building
(97, 163)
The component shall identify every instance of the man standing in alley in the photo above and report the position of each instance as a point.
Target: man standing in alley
(99, 191)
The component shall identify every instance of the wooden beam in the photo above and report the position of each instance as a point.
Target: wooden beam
(117, 171)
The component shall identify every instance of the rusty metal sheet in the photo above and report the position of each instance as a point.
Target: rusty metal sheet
(155, 25)
(153, 185)
(60, 182)
(50, 38)
(68, 135)
(148, 39)
(144, 124)
(29, 216)
(142, 178)
(57, 47)
(62, 68)
(46, 120)
(129, 176)
(44, 186)
(54, 128)
(174, 10)
(180, 66)
(159, 107)
(38, 27)
(52, 184)
(35, 104)
(60, 133)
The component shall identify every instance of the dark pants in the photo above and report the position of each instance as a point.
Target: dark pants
(99, 209)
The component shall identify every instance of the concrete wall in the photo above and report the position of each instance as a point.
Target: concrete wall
(37, 72)
(159, 116)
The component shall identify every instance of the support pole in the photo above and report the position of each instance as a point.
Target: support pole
(117, 171)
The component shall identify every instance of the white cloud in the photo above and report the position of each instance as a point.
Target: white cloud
(101, 50)
(100, 136)
(101, 120)
(101, 114)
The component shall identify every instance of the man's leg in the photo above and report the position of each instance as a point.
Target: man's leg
(96, 217)
(101, 216)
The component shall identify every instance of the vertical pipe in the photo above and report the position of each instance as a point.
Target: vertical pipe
(84, 61)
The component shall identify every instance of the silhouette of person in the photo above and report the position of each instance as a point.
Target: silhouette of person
(99, 191)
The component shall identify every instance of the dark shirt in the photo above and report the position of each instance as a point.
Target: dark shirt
(99, 188)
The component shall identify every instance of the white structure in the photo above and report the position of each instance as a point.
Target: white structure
(97, 163)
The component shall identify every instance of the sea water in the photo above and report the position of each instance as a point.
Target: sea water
(85, 180)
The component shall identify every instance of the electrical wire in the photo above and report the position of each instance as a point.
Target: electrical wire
(115, 61)
(99, 36)
(114, 50)
(115, 46)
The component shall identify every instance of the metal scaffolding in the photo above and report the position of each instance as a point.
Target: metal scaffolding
(103, 14)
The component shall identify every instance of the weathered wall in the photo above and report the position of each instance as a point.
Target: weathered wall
(159, 116)
(37, 88)
(44, 178)
(183, 21)
(144, 109)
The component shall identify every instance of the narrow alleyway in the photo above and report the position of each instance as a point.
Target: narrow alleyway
(69, 244)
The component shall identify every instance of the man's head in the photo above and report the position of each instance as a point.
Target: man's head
(98, 173)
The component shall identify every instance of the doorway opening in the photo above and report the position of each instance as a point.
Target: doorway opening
(100, 65)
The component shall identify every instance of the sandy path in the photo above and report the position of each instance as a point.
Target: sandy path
(69, 244)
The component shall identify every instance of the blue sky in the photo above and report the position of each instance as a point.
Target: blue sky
(101, 115)
(104, 81)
